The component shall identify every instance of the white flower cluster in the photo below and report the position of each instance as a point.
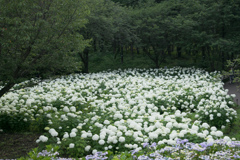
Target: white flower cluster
(129, 107)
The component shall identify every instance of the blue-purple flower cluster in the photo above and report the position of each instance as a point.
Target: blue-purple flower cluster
(45, 153)
(97, 156)
(183, 149)
(219, 149)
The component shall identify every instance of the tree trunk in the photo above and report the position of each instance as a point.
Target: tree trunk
(156, 59)
(95, 45)
(84, 58)
(203, 53)
(169, 51)
(16, 74)
(122, 54)
(6, 88)
(163, 57)
(132, 53)
(179, 52)
(232, 56)
(223, 55)
(223, 60)
(0, 49)
(87, 60)
(211, 61)
(85, 69)
(156, 63)
(138, 51)
(115, 49)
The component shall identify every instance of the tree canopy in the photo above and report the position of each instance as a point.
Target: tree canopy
(39, 36)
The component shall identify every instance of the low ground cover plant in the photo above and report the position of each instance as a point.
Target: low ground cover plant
(218, 149)
(118, 111)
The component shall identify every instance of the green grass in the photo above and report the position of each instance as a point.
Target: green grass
(104, 61)
(100, 62)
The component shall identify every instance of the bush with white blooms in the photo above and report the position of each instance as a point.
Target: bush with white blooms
(120, 110)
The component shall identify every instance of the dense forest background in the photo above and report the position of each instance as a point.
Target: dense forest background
(42, 38)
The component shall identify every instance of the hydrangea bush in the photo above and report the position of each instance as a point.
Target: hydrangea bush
(122, 109)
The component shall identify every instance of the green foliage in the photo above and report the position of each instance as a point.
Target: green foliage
(220, 117)
(233, 130)
(233, 69)
(40, 38)
(39, 124)
(22, 123)
(48, 154)
(101, 62)
(193, 138)
(14, 123)
(206, 30)
(64, 126)
(77, 151)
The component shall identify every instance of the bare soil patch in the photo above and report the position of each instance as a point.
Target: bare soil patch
(16, 145)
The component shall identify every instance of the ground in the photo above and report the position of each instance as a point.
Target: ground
(19, 144)
(232, 89)
(16, 145)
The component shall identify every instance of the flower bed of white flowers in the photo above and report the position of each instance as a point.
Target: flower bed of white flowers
(120, 110)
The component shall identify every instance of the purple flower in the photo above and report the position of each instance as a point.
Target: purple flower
(145, 144)
(134, 151)
(155, 155)
(179, 141)
(46, 153)
(236, 143)
(221, 142)
(153, 144)
(204, 144)
(205, 157)
(98, 155)
(90, 157)
(236, 156)
(143, 157)
(189, 145)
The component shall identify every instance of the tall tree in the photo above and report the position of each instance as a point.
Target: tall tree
(108, 28)
(38, 34)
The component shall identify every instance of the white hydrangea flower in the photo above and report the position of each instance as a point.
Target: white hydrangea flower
(219, 133)
(73, 109)
(66, 135)
(43, 138)
(71, 145)
(101, 142)
(94, 151)
(205, 125)
(213, 128)
(73, 134)
(84, 135)
(53, 132)
(66, 109)
(87, 148)
(210, 141)
(169, 125)
(95, 137)
(194, 127)
(106, 122)
(121, 139)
